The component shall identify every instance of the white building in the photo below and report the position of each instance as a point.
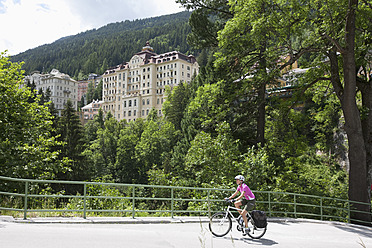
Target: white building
(61, 86)
(91, 110)
(132, 89)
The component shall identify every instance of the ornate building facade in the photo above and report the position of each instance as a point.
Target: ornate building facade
(132, 89)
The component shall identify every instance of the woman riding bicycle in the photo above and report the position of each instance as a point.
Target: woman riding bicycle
(246, 198)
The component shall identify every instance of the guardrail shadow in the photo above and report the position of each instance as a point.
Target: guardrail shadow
(361, 231)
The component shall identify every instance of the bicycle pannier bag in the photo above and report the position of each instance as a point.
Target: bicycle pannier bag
(259, 218)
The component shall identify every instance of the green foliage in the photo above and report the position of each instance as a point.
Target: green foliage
(72, 136)
(127, 167)
(314, 175)
(213, 160)
(25, 129)
(156, 141)
(100, 197)
(101, 153)
(260, 173)
(176, 104)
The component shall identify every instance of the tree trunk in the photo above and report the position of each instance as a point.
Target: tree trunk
(367, 129)
(358, 189)
(261, 114)
(262, 97)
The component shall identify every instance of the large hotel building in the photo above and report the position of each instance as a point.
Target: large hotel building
(132, 89)
(62, 87)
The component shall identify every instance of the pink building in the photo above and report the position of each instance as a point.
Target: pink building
(82, 89)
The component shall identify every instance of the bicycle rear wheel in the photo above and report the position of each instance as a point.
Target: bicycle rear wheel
(220, 224)
(255, 232)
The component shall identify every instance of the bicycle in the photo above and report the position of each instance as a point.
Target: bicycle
(221, 223)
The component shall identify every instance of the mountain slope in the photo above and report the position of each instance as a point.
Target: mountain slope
(95, 50)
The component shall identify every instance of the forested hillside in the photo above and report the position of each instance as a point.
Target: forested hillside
(96, 50)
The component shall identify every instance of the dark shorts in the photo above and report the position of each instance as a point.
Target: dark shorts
(249, 204)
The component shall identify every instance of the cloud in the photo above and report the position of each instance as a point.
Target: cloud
(101, 12)
(30, 23)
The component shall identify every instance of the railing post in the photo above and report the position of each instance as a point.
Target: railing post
(321, 208)
(209, 204)
(172, 206)
(269, 204)
(25, 202)
(348, 211)
(133, 202)
(295, 207)
(85, 201)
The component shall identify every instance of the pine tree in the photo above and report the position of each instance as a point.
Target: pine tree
(71, 133)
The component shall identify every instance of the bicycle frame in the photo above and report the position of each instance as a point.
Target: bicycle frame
(228, 212)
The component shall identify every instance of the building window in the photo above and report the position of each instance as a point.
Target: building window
(147, 112)
(143, 102)
(129, 113)
(134, 112)
(143, 112)
(135, 102)
(125, 104)
(130, 103)
(148, 101)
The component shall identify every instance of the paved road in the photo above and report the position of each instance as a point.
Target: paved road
(279, 234)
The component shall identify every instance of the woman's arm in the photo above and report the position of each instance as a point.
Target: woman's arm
(241, 196)
(233, 195)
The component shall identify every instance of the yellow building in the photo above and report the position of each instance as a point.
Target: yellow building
(132, 89)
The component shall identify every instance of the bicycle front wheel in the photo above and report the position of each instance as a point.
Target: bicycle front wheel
(220, 224)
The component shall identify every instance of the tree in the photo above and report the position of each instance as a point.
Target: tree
(176, 103)
(207, 18)
(127, 166)
(90, 93)
(157, 140)
(71, 134)
(213, 157)
(325, 28)
(25, 130)
(102, 150)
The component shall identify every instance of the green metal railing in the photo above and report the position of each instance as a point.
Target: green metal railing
(29, 196)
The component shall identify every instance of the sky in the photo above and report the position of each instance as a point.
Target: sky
(26, 24)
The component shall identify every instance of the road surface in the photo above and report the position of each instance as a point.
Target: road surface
(286, 234)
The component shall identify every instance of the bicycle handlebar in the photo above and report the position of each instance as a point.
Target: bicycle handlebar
(227, 200)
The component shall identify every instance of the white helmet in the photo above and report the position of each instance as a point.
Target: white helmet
(240, 177)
